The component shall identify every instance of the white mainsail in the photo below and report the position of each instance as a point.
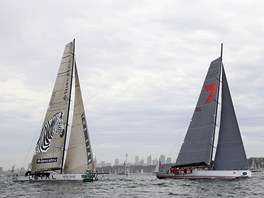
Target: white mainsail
(49, 150)
(79, 153)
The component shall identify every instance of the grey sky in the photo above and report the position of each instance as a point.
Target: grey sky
(141, 63)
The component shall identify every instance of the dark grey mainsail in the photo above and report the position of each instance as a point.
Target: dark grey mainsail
(198, 143)
(230, 153)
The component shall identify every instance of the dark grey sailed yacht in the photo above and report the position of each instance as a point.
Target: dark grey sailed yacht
(195, 159)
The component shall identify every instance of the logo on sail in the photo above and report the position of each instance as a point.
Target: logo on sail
(85, 130)
(47, 160)
(212, 89)
(53, 126)
(67, 84)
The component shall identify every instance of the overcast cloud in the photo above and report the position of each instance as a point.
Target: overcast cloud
(141, 63)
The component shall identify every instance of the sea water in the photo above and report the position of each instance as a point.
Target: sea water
(136, 185)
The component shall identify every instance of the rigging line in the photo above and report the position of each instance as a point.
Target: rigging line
(29, 150)
(32, 142)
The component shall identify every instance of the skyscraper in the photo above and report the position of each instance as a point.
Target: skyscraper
(149, 160)
(116, 162)
(162, 159)
(136, 160)
(154, 161)
(168, 161)
(141, 162)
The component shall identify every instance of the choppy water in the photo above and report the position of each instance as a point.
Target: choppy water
(137, 185)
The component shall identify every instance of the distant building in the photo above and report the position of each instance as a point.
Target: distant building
(162, 159)
(136, 160)
(116, 162)
(168, 160)
(154, 161)
(149, 160)
(1, 170)
(102, 164)
(108, 164)
(141, 162)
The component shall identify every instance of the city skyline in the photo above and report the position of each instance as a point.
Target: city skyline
(117, 162)
(139, 161)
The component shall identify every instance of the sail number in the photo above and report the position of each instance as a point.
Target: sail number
(212, 89)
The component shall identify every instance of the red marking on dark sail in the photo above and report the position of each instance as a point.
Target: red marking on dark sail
(212, 89)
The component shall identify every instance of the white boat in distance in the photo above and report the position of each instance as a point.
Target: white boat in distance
(48, 160)
(195, 159)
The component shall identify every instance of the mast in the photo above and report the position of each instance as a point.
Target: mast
(69, 103)
(215, 118)
(221, 55)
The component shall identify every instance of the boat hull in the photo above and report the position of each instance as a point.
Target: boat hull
(206, 174)
(52, 177)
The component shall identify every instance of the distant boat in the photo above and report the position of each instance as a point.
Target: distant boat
(124, 170)
(195, 159)
(157, 168)
(48, 160)
(254, 166)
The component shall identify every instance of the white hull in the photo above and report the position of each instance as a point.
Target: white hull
(206, 174)
(52, 177)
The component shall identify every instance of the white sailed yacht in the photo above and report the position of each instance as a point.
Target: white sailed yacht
(52, 161)
(195, 159)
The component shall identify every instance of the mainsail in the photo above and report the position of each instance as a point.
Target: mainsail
(79, 153)
(230, 153)
(50, 146)
(197, 147)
